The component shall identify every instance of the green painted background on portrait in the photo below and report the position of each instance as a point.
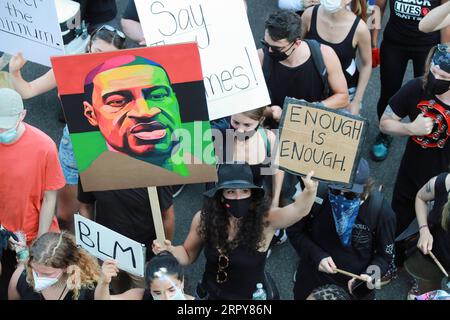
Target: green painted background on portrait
(88, 146)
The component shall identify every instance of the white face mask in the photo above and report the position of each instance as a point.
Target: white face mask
(331, 6)
(42, 283)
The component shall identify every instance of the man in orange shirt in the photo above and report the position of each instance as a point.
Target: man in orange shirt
(30, 177)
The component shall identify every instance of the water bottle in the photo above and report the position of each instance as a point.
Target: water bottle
(260, 293)
(22, 252)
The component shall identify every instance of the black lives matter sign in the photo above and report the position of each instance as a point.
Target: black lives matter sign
(313, 137)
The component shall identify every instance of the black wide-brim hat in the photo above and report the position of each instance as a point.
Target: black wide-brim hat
(234, 176)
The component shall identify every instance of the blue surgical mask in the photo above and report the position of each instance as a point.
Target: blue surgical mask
(8, 136)
(344, 213)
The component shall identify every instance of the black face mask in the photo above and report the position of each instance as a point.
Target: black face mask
(437, 86)
(278, 56)
(237, 207)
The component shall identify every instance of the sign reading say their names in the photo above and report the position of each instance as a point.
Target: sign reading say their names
(30, 27)
(327, 141)
(104, 243)
(232, 72)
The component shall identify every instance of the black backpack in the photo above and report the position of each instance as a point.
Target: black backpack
(314, 47)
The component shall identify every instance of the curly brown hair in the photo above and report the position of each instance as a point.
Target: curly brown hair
(214, 223)
(59, 251)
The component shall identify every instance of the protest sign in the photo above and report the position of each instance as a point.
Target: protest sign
(232, 72)
(327, 141)
(138, 117)
(30, 27)
(104, 243)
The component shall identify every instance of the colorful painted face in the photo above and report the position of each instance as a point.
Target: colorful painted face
(136, 110)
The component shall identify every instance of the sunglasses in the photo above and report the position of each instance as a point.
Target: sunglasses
(110, 29)
(349, 195)
(223, 262)
(275, 48)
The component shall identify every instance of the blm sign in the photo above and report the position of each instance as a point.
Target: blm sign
(313, 137)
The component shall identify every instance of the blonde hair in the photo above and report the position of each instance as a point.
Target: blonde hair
(446, 214)
(59, 250)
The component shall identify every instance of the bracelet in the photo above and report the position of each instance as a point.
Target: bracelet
(423, 226)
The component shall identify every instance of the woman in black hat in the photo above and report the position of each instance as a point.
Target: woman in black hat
(235, 226)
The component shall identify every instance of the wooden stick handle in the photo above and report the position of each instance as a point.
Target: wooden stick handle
(156, 214)
(350, 274)
(438, 264)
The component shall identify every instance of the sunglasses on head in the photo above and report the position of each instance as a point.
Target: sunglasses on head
(110, 29)
(349, 195)
(275, 48)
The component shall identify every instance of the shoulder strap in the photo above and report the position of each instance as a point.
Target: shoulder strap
(262, 132)
(316, 54)
(313, 23)
(439, 185)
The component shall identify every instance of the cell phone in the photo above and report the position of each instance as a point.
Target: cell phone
(360, 289)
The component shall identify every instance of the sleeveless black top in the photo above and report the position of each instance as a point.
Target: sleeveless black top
(344, 50)
(26, 292)
(245, 269)
(301, 82)
(441, 238)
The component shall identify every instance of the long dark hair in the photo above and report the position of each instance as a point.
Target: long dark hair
(427, 70)
(214, 223)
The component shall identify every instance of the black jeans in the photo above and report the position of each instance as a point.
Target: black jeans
(9, 263)
(394, 60)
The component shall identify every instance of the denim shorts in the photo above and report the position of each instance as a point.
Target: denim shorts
(67, 158)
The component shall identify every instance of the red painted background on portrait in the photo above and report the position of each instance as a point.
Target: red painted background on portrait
(181, 61)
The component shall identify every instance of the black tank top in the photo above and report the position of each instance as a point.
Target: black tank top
(403, 25)
(441, 243)
(245, 269)
(301, 82)
(344, 50)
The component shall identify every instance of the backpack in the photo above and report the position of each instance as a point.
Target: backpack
(314, 47)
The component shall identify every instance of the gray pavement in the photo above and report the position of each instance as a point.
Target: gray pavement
(43, 113)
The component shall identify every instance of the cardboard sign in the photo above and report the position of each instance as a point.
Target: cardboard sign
(233, 77)
(104, 243)
(313, 137)
(30, 27)
(137, 118)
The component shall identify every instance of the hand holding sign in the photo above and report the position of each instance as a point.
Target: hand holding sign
(158, 247)
(310, 184)
(109, 271)
(16, 63)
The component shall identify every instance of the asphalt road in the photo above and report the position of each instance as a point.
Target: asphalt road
(43, 113)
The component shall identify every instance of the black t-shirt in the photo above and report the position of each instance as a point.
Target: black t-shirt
(127, 211)
(26, 292)
(98, 11)
(441, 238)
(403, 25)
(131, 12)
(418, 164)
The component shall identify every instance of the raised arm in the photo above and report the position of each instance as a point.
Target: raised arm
(280, 218)
(436, 19)
(31, 89)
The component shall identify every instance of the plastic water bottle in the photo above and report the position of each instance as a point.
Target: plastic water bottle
(260, 293)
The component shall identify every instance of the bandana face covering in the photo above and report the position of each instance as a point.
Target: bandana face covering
(344, 213)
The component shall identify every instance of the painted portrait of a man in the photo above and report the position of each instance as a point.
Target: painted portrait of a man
(131, 101)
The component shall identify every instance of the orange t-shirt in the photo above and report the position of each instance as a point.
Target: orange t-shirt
(28, 168)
